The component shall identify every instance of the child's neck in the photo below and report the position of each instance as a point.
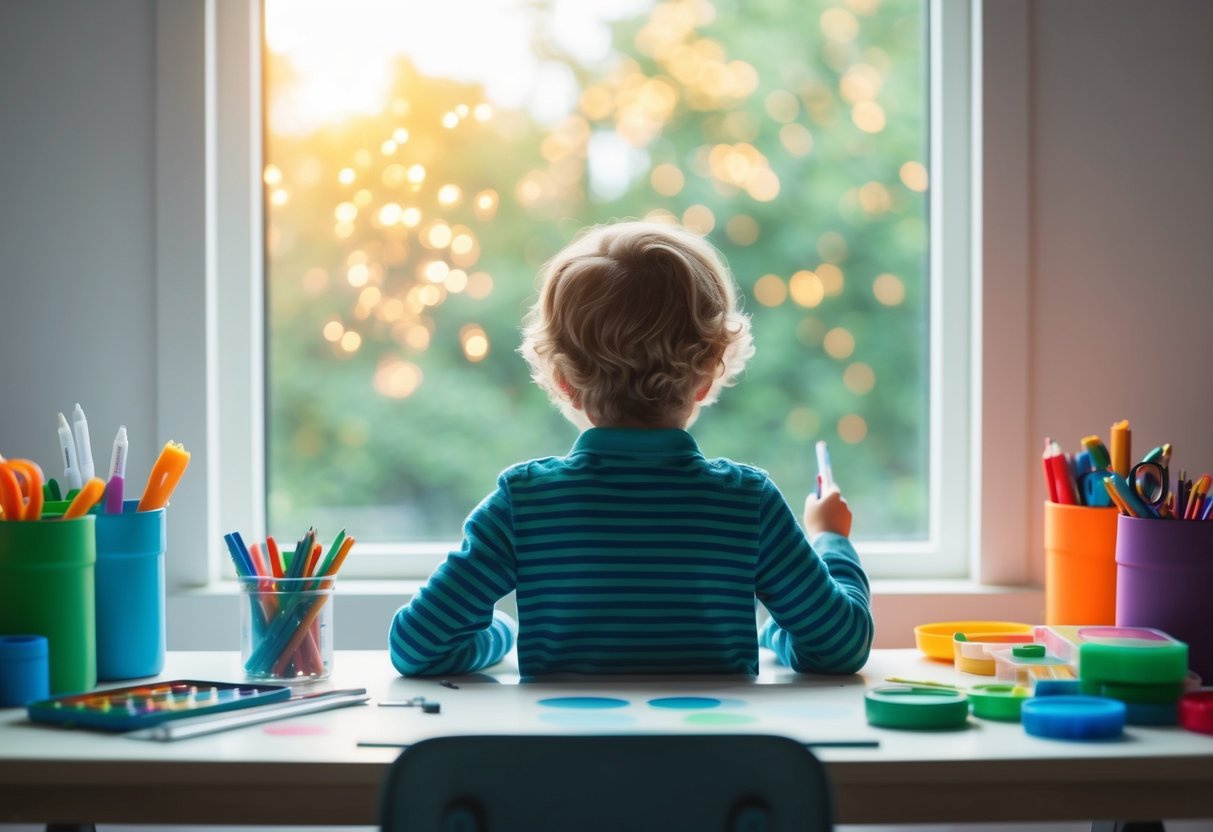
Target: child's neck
(675, 421)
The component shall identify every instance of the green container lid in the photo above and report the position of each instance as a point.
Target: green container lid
(920, 708)
(1158, 663)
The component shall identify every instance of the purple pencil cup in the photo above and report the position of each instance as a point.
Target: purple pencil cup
(1164, 574)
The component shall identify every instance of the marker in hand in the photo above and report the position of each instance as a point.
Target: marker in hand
(825, 475)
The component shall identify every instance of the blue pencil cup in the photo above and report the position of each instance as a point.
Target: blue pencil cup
(130, 593)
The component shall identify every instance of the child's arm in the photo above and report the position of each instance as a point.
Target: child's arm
(450, 626)
(821, 621)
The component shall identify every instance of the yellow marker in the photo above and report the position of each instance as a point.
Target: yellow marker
(1121, 447)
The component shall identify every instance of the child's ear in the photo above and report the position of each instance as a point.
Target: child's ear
(703, 392)
(572, 395)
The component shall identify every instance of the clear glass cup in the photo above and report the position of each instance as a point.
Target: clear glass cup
(286, 628)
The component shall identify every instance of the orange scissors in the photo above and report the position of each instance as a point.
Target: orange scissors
(20, 489)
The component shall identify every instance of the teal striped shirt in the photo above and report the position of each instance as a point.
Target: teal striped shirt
(635, 554)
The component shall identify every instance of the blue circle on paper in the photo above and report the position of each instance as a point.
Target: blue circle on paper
(686, 703)
(584, 702)
(587, 718)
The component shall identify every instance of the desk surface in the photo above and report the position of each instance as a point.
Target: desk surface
(310, 769)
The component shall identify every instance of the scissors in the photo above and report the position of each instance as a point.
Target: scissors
(1151, 483)
(20, 489)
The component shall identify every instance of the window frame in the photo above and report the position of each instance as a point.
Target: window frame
(209, 257)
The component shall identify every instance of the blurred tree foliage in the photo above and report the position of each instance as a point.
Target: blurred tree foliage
(792, 133)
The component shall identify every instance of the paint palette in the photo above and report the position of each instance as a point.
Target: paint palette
(141, 706)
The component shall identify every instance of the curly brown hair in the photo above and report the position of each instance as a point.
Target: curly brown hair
(635, 323)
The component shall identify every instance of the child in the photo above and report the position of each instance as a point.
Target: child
(634, 553)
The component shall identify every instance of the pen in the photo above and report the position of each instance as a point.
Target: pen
(197, 726)
(84, 448)
(116, 482)
(71, 471)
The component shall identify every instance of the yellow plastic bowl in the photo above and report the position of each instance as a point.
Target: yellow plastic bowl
(935, 640)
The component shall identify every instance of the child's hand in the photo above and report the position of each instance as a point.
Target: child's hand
(827, 513)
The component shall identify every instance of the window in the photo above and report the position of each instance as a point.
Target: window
(409, 207)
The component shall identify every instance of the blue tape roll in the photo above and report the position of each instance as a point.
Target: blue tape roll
(25, 671)
(1057, 687)
(1073, 717)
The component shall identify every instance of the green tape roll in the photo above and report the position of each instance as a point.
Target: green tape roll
(1138, 694)
(999, 702)
(919, 708)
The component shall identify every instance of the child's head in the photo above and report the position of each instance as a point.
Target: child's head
(636, 325)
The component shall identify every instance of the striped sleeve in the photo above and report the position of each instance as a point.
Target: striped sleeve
(821, 621)
(450, 626)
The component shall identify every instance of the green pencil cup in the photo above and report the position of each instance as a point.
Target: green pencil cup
(47, 588)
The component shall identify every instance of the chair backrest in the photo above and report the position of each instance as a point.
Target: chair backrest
(617, 783)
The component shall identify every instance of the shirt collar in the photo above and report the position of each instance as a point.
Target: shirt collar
(651, 442)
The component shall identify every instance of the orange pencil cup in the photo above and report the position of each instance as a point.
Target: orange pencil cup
(1080, 564)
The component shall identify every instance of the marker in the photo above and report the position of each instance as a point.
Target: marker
(824, 472)
(84, 448)
(116, 483)
(71, 471)
(1120, 488)
(1100, 461)
(82, 503)
(1161, 455)
(1063, 480)
(1121, 450)
(166, 473)
(1050, 483)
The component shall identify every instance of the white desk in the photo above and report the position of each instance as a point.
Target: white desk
(310, 770)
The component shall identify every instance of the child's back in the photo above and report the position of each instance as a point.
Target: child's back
(633, 553)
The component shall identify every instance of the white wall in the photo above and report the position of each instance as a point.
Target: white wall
(1120, 217)
(1122, 225)
(77, 227)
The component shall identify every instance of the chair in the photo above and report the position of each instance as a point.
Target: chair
(618, 783)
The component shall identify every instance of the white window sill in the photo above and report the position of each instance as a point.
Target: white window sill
(365, 607)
